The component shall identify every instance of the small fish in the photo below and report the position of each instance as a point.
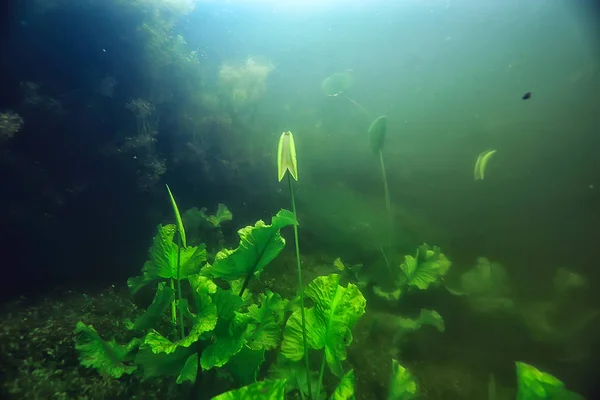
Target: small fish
(526, 96)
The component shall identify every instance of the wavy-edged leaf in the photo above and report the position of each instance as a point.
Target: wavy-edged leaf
(245, 365)
(163, 259)
(265, 323)
(229, 333)
(426, 317)
(162, 300)
(328, 324)
(533, 384)
(403, 385)
(428, 267)
(345, 389)
(263, 390)
(259, 245)
(108, 357)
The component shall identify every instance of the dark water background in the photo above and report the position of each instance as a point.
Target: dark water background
(75, 212)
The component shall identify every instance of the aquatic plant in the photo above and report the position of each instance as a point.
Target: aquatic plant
(328, 326)
(377, 132)
(243, 85)
(240, 329)
(533, 384)
(203, 227)
(482, 159)
(427, 267)
(10, 124)
(181, 243)
(338, 84)
(287, 164)
(403, 385)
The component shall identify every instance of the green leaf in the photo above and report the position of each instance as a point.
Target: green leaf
(108, 357)
(328, 323)
(377, 132)
(427, 317)
(428, 267)
(162, 364)
(345, 389)
(337, 83)
(163, 260)
(205, 320)
(294, 373)
(180, 227)
(389, 296)
(265, 322)
(223, 214)
(486, 285)
(162, 300)
(229, 333)
(403, 385)
(189, 370)
(259, 245)
(245, 365)
(533, 384)
(263, 390)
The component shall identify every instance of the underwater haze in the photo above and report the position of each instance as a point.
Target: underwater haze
(300, 199)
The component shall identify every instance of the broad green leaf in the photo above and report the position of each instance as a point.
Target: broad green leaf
(533, 384)
(337, 83)
(566, 280)
(259, 245)
(486, 285)
(403, 385)
(189, 370)
(245, 365)
(162, 300)
(108, 357)
(223, 214)
(162, 364)
(263, 390)
(377, 132)
(265, 323)
(428, 267)
(328, 324)
(345, 389)
(163, 259)
(227, 344)
(390, 296)
(229, 333)
(294, 373)
(205, 321)
(427, 317)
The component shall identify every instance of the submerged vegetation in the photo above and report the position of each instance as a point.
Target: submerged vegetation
(357, 308)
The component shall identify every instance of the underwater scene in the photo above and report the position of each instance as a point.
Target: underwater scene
(312, 200)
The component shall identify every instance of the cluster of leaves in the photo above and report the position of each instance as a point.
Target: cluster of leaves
(202, 227)
(226, 327)
(533, 384)
(428, 267)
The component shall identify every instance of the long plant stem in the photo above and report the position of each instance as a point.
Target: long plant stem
(358, 105)
(320, 377)
(173, 307)
(300, 286)
(388, 205)
(179, 297)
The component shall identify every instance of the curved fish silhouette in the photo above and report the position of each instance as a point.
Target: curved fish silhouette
(482, 160)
